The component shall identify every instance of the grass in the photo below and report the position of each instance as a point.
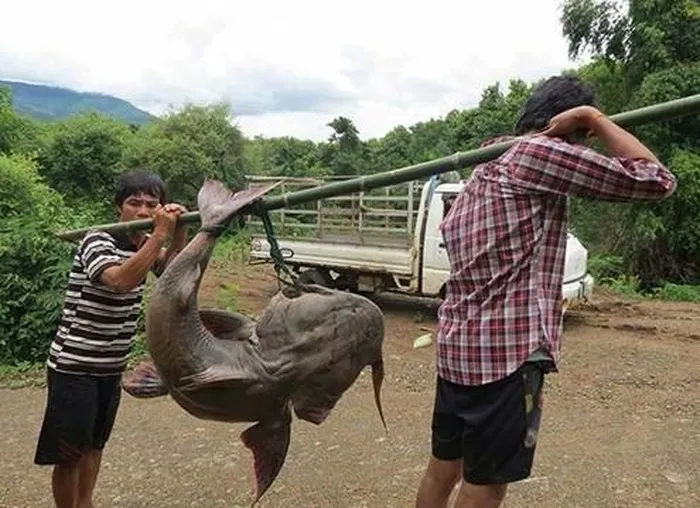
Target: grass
(231, 251)
(677, 292)
(23, 375)
(628, 286)
(609, 272)
(26, 374)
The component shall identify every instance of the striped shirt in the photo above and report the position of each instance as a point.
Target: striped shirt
(505, 237)
(98, 325)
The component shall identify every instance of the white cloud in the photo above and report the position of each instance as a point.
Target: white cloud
(288, 68)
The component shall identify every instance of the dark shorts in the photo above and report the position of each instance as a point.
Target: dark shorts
(493, 427)
(79, 416)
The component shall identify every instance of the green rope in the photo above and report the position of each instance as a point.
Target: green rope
(275, 253)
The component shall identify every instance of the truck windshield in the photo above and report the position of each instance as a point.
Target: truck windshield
(447, 200)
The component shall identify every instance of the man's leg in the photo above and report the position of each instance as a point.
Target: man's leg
(64, 485)
(108, 398)
(501, 425)
(89, 468)
(480, 496)
(445, 466)
(66, 432)
(438, 483)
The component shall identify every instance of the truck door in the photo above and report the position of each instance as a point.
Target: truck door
(436, 265)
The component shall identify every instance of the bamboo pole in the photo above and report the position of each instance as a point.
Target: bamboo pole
(663, 111)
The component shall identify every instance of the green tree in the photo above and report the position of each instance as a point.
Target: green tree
(392, 151)
(344, 133)
(284, 156)
(645, 52)
(8, 121)
(345, 153)
(608, 80)
(678, 81)
(495, 115)
(83, 159)
(18, 134)
(647, 36)
(189, 145)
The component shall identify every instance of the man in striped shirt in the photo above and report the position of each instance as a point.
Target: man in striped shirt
(499, 326)
(90, 349)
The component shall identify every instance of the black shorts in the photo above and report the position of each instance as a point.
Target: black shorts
(79, 416)
(492, 427)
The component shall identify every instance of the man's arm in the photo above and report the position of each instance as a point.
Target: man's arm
(166, 255)
(178, 243)
(128, 275)
(616, 139)
(548, 164)
(98, 254)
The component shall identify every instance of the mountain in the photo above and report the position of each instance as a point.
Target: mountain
(56, 103)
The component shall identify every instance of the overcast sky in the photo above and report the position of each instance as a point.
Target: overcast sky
(287, 68)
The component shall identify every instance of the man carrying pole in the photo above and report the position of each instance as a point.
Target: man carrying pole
(500, 324)
(93, 340)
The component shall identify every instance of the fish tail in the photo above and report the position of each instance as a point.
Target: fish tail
(377, 380)
(218, 205)
(269, 443)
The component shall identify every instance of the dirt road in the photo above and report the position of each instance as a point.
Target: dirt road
(621, 426)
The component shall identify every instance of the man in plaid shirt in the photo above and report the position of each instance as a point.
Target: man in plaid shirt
(500, 323)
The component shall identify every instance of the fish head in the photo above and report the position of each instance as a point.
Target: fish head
(331, 336)
(309, 306)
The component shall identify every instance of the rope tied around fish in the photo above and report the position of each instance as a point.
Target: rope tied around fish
(282, 269)
(275, 253)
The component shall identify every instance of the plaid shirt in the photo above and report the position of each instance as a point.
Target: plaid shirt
(505, 237)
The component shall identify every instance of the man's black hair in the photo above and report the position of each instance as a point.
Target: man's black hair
(555, 95)
(139, 181)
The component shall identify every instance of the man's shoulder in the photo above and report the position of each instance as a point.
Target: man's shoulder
(539, 146)
(496, 139)
(96, 245)
(519, 144)
(95, 235)
(544, 142)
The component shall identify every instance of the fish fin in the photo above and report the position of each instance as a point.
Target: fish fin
(314, 407)
(315, 415)
(217, 376)
(144, 382)
(217, 204)
(269, 443)
(377, 379)
(315, 404)
(227, 325)
(316, 398)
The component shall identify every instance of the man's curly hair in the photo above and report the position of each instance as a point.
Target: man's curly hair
(555, 95)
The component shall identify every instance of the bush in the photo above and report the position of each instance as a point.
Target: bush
(33, 264)
(606, 267)
(678, 292)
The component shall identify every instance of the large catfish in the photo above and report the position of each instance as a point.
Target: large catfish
(308, 347)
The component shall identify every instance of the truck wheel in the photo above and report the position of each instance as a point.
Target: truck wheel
(346, 282)
(316, 276)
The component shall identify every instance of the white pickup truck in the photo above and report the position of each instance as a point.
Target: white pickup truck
(345, 242)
